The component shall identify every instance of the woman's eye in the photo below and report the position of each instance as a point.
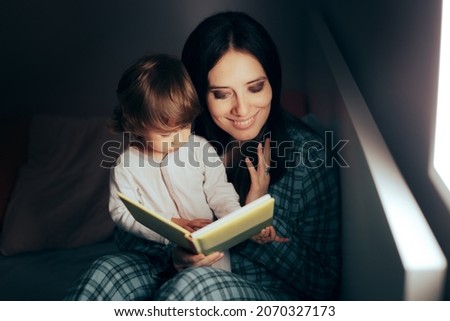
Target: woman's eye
(257, 87)
(220, 94)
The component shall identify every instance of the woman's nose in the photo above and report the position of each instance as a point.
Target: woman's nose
(241, 107)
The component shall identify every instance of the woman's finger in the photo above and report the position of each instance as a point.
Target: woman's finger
(262, 165)
(267, 152)
(210, 259)
(251, 167)
(264, 158)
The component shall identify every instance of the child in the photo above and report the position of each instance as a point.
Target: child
(166, 168)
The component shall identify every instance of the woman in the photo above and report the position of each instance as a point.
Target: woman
(235, 68)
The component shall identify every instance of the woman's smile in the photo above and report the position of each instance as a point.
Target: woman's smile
(244, 123)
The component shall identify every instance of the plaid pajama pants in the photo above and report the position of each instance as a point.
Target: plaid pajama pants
(132, 276)
(137, 273)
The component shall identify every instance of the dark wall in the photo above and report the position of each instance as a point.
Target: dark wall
(392, 49)
(66, 57)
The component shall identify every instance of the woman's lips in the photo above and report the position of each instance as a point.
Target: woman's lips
(244, 123)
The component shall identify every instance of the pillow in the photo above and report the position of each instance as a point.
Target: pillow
(13, 145)
(60, 199)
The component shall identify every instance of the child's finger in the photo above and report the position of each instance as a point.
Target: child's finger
(198, 223)
(275, 238)
(280, 239)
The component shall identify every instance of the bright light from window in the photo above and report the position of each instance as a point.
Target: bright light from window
(441, 155)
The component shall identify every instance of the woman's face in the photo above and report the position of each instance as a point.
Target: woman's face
(239, 95)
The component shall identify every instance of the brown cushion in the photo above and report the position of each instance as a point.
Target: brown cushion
(60, 199)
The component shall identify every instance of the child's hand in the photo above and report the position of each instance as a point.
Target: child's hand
(197, 224)
(260, 177)
(191, 225)
(268, 235)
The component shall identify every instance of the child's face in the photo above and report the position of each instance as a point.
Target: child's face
(166, 141)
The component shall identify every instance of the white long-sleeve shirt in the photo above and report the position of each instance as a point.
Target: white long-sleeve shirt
(189, 183)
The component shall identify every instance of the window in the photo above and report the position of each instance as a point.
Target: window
(440, 154)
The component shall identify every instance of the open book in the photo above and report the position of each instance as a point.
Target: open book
(220, 235)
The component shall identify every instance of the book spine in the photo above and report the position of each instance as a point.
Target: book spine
(195, 246)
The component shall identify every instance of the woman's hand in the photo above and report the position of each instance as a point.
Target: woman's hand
(191, 225)
(267, 235)
(183, 259)
(260, 177)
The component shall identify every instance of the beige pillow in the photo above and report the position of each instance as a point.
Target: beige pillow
(60, 199)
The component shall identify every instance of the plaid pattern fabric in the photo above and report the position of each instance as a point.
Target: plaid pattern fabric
(206, 283)
(118, 277)
(134, 274)
(308, 213)
(307, 267)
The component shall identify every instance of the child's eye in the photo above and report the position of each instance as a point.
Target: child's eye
(166, 134)
(257, 87)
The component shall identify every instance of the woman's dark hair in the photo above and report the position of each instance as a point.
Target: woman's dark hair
(209, 41)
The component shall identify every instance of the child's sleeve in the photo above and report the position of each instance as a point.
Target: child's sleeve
(220, 194)
(121, 180)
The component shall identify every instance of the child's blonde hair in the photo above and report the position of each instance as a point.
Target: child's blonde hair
(155, 93)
